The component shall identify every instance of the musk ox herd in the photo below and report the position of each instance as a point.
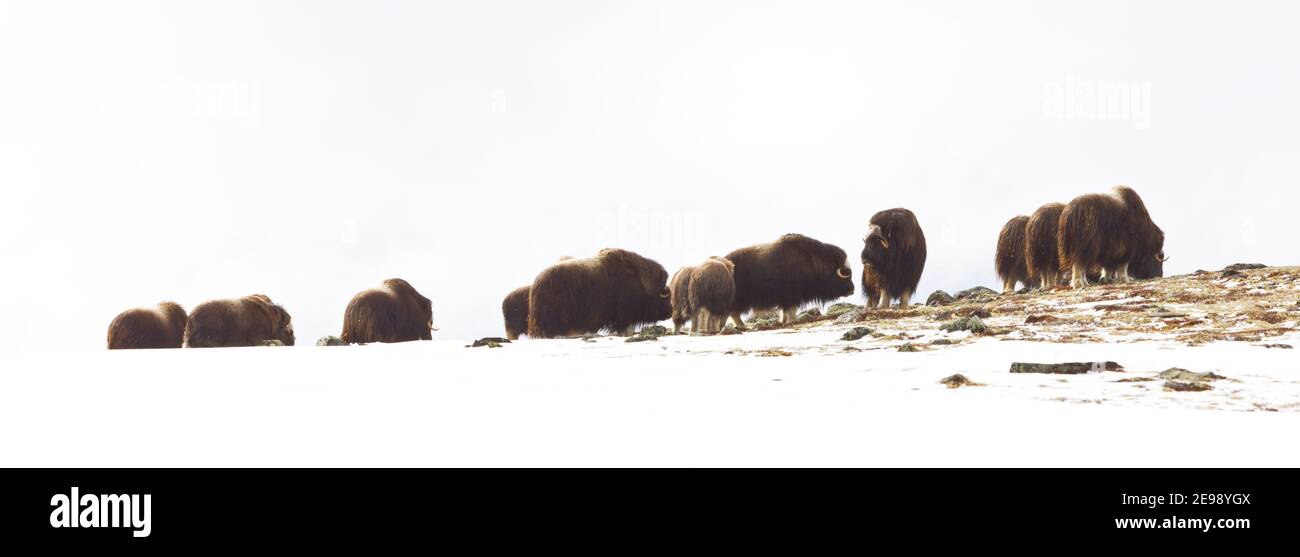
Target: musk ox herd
(1094, 236)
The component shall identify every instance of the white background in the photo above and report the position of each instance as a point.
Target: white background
(308, 150)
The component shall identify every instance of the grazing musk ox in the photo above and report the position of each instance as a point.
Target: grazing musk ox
(395, 312)
(162, 326)
(788, 273)
(703, 294)
(1041, 259)
(1112, 231)
(615, 290)
(247, 321)
(895, 249)
(515, 311)
(1010, 259)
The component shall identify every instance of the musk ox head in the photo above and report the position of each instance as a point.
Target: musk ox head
(653, 300)
(280, 323)
(409, 297)
(1148, 267)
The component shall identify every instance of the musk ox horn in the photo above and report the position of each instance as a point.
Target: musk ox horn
(666, 293)
(1161, 257)
(844, 272)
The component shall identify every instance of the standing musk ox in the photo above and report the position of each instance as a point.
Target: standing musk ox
(615, 290)
(247, 321)
(515, 311)
(1010, 259)
(894, 248)
(395, 312)
(703, 294)
(157, 327)
(788, 273)
(1041, 259)
(1111, 231)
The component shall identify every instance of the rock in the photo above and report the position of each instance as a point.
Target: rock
(839, 309)
(851, 316)
(942, 316)
(730, 330)
(812, 313)
(972, 323)
(959, 380)
(272, 342)
(1282, 346)
(1243, 267)
(761, 314)
(1181, 375)
(1180, 386)
(908, 347)
(977, 292)
(1230, 274)
(490, 342)
(330, 341)
(1071, 368)
(641, 338)
(978, 311)
(856, 333)
(939, 298)
(775, 353)
(1041, 318)
(942, 342)
(654, 330)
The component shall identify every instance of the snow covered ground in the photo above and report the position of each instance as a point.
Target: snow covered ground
(675, 401)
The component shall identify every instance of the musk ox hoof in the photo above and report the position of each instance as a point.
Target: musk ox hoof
(939, 298)
(330, 341)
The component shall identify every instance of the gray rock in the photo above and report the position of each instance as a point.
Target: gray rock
(1071, 368)
(812, 313)
(1186, 387)
(839, 309)
(939, 298)
(977, 292)
(908, 347)
(1244, 267)
(851, 316)
(490, 342)
(959, 380)
(970, 323)
(330, 341)
(272, 342)
(856, 333)
(1185, 376)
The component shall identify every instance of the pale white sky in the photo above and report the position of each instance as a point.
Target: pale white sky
(309, 150)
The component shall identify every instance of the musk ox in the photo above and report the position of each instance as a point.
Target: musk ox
(1041, 259)
(1010, 259)
(156, 327)
(394, 312)
(895, 249)
(788, 273)
(247, 321)
(515, 311)
(1112, 231)
(615, 290)
(703, 294)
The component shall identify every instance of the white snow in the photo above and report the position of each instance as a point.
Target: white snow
(680, 401)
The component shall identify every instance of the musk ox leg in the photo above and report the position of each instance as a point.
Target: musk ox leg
(700, 325)
(511, 335)
(790, 315)
(1008, 285)
(885, 298)
(904, 300)
(677, 326)
(1079, 276)
(740, 324)
(1121, 274)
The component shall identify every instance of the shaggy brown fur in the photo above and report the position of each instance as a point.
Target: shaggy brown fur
(616, 290)
(870, 285)
(788, 273)
(895, 249)
(157, 327)
(247, 321)
(395, 312)
(712, 291)
(1010, 259)
(1112, 231)
(1041, 259)
(679, 289)
(515, 311)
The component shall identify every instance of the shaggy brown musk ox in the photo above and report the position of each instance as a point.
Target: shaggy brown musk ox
(679, 293)
(788, 273)
(248, 321)
(894, 247)
(615, 290)
(1112, 231)
(1010, 259)
(394, 312)
(1041, 260)
(162, 326)
(514, 309)
(703, 295)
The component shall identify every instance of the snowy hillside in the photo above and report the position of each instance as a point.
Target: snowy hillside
(786, 396)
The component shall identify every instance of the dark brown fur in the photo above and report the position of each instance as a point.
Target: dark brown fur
(1112, 231)
(679, 289)
(895, 249)
(515, 311)
(615, 291)
(395, 312)
(1010, 259)
(712, 292)
(157, 327)
(870, 285)
(247, 321)
(1041, 259)
(788, 273)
